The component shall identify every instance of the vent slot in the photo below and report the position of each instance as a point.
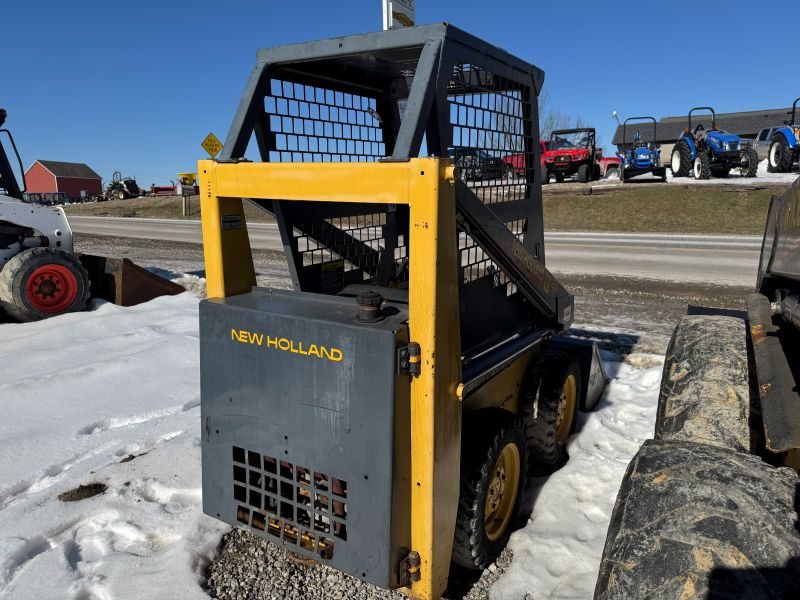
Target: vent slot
(302, 504)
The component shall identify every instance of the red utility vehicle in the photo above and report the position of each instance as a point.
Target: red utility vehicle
(575, 152)
(515, 163)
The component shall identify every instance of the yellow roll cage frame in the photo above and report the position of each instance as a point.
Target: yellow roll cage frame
(427, 186)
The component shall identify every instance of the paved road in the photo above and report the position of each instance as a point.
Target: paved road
(721, 260)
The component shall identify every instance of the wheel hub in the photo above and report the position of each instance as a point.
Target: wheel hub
(51, 288)
(501, 494)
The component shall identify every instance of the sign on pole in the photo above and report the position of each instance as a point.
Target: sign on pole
(212, 145)
(399, 13)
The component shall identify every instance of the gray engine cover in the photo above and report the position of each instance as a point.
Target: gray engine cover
(297, 440)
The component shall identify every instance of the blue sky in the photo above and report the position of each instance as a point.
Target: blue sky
(136, 86)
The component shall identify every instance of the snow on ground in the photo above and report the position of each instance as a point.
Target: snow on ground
(80, 393)
(557, 555)
(112, 396)
(762, 176)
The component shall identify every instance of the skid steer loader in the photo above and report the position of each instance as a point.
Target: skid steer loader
(383, 416)
(40, 274)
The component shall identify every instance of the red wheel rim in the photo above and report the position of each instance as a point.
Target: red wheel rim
(51, 288)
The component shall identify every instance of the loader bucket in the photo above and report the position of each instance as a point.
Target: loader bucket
(123, 282)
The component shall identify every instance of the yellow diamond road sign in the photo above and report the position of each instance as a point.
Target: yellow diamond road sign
(212, 145)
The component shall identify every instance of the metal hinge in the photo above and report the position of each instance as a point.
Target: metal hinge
(409, 359)
(409, 569)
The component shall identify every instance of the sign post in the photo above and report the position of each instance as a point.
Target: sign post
(399, 13)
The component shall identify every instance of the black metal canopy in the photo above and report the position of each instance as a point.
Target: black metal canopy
(432, 90)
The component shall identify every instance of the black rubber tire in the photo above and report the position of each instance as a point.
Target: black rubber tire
(685, 152)
(545, 176)
(14, 278)
(560, 178)
(696, 521)
(485, 435)
(749, 158)
(705, 165)
(785, 158)
(584, 173)
(540, 398)
(705, 392)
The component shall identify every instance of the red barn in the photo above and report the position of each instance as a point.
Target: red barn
(45, 176)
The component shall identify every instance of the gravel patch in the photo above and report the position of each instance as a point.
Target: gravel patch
(249, 568)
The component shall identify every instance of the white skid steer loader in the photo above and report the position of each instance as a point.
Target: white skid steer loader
(40, 274)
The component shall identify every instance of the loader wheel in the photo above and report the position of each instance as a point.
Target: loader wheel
(705, 394)
(549, 404)
(681, 161)
(749, 166)
(584, 173)
(693, 521)
(493, 479)
(120, 195)
(42, 282)
(781, 156)
(702, 166)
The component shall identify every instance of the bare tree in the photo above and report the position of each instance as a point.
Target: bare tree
(552, 119)
(508, 135)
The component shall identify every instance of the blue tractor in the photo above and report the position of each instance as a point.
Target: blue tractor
(784, 150)
(642, 157)
(711, 152)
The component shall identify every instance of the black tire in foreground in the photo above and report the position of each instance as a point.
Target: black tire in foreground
(585, 173)
(780, 157)
(681, 159)
(493, 479)
(549, 404)
(560, 177)
(43, 282)
(705, 392)
(696, 521)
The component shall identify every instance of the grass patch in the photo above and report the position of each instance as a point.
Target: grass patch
(661, 209)
(635, 208)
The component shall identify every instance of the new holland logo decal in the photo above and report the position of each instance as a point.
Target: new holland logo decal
(283, 344)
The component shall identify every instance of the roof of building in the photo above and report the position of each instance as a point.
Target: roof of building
(68, 169)
(669, 129)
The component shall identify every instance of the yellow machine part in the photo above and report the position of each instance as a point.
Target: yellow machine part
(502, 391)
(187, 178)
(427, 186)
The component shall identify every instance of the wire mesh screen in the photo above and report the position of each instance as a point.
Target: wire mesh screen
(308, 123)
(493, 152)
(314, 124)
